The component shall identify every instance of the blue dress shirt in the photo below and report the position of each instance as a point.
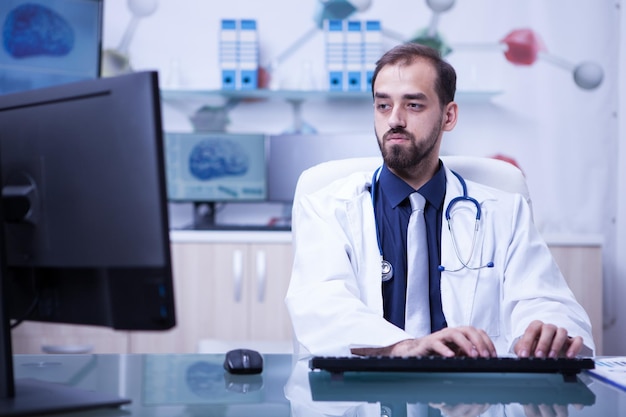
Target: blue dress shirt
(393, 210)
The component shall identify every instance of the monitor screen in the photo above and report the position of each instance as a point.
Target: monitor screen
(215, 167)
(85, 236)
(290, 154)
(48, 42)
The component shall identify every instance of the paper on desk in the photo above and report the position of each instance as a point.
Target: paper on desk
(611, 370)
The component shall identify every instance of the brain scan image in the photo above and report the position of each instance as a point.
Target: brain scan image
(216, 158)
(33, 30)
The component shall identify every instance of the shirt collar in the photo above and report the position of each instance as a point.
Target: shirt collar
(397, 191)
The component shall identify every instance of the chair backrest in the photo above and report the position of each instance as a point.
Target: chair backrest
(488, 171)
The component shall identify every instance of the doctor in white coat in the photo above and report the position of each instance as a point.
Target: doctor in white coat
(521, 305)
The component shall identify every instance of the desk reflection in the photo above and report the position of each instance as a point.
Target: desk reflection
(196, 385)
(433, 394)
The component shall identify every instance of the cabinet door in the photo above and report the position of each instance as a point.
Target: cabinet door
(230, 297)
(209, 297)
(270, 270)
(224, 292)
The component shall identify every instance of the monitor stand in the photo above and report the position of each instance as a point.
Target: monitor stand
(32, 397)
(35, 398)
(204, 216)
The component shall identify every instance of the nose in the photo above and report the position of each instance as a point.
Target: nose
(397, 118)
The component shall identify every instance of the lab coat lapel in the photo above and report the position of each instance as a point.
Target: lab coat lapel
(362, 224)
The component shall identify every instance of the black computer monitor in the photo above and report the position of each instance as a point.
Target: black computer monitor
(85, 236)
(211, 168)
(48, 42)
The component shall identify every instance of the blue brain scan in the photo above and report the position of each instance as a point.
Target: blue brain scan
(33, 29)
(217, 157)
(48, 42)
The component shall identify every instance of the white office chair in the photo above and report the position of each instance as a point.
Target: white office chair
(492, 172)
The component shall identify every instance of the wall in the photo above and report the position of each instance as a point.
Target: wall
(563, 137)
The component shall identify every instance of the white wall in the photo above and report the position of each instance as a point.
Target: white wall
(564, 138)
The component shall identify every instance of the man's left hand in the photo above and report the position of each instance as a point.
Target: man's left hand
(544, 340)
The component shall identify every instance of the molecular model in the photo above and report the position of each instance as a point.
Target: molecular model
(520, 47)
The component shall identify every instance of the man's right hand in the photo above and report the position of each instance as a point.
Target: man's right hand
(451, 341)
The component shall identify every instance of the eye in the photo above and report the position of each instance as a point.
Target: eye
(415, 106)
(382, 106)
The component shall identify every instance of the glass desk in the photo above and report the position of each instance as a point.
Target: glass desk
(196, 385)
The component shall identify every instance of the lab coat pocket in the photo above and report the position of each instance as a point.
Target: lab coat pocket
(485, 312)
(472, 298)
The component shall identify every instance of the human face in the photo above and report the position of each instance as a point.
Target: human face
(409, 120)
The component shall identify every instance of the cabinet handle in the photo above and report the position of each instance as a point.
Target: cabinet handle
(261, 275)
(237, 274)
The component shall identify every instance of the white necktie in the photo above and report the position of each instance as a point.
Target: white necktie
(417, 317)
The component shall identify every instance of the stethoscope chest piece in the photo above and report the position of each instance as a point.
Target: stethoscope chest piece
(387, 270)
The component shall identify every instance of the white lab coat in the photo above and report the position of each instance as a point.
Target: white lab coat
(335, 299)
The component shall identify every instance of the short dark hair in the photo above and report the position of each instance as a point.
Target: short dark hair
(407, 53)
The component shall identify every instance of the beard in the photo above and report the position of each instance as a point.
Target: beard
(404, 158)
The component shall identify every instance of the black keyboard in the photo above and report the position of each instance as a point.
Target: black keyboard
(569, 367)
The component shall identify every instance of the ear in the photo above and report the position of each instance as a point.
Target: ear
(450, 115)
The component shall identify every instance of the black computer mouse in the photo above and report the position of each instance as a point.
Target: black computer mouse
(243, 361)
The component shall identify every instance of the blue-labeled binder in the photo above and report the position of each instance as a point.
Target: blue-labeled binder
(335, 61)
(228, 53)
(248, 55)
(372, 49)
(354, 56)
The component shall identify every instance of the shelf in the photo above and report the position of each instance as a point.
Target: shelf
(193, 101)
(299, 95)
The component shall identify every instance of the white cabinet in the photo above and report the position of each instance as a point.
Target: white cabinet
(231, 286)
(228, 286)
(225, 290)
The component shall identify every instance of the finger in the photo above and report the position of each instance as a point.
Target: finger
(460, 338)
(481, 341)
(559, 343)
(526, 344)
(547, 410)
(490, 348)
(576, 345)
(439, 347)
(531, 410)
(544, 343)
(424, 346)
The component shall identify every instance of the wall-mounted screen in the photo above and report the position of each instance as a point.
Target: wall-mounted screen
(48, 42)
(290, 154)
(215, 167)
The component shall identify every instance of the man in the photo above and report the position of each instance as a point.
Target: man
(512, 299)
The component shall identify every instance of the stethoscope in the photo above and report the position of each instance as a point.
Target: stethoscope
(387, 268)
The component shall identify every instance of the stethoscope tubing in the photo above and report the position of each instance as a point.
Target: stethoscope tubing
(387, 268)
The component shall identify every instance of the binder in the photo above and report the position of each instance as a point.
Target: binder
(335, 44)
(228, 53)
(372, 50)
(354, 55)
(248, 55)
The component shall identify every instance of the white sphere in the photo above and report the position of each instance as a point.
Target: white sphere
(142, 8)
(588, 75)
(440, 6)
(361, 5)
